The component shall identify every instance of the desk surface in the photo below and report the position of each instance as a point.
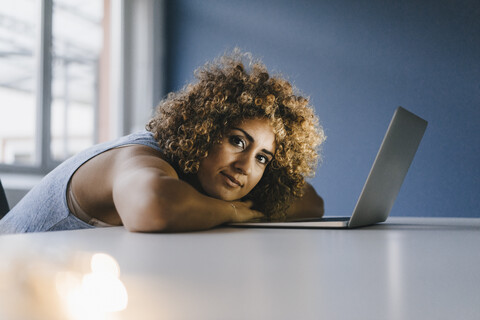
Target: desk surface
(406, 268)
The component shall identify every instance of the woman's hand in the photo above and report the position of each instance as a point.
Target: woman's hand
(244, 212)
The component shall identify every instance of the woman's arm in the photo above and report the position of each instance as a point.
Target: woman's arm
(149, 197)
(309, 206)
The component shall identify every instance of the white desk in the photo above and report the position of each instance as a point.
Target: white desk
(407, 268)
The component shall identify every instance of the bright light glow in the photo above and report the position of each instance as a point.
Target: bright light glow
(93, 295)
(105, 264)
(104, 292)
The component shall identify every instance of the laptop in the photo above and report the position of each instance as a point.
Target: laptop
(383, 183)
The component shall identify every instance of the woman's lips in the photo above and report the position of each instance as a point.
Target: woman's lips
(231, 180)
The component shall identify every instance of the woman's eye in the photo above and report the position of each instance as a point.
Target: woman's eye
(262, 159)
(237, 141)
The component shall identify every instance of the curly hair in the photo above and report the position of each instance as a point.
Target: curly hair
(233, 88)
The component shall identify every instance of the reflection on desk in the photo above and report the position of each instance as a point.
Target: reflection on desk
(406, 268)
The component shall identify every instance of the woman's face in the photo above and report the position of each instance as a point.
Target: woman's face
(235, 166)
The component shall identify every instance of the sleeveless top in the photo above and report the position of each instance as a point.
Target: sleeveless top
(44, 207)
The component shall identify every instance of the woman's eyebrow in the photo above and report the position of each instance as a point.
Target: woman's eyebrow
(250, 138)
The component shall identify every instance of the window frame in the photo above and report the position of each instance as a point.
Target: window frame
(44, 161)
(127, 109)
(43, 95)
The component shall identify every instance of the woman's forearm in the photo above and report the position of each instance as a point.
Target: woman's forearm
(183, 208)
(311, 205)
(149, 203)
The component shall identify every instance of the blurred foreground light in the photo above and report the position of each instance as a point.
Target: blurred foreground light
(104, 292)
(93, 295)
(102, 263)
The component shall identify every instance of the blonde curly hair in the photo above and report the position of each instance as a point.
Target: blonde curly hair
(233, 88)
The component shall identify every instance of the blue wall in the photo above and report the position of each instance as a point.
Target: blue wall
(358, 62)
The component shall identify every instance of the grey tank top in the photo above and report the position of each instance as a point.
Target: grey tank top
(44, 208)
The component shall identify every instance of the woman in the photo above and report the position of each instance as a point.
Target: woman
(235, 145)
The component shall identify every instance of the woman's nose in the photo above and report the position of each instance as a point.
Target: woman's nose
(243, 164)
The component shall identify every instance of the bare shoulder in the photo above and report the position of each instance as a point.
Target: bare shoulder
(132, 167)
(92, 183)
(138, 157)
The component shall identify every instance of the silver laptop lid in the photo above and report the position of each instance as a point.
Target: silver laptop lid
(389, 168)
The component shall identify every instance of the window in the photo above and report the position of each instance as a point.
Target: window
(74, 73)
(52, 57)
(18, 30)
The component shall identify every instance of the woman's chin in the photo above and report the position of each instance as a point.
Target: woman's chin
(225, 196)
